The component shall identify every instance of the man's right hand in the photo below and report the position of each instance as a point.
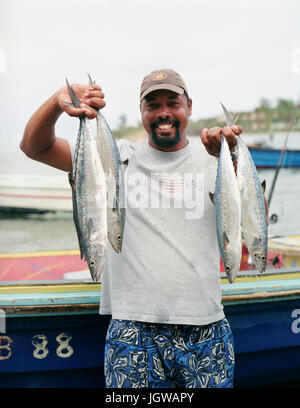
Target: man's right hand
(90, 96)
(39, 140)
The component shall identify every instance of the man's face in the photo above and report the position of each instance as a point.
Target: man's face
(165, 116)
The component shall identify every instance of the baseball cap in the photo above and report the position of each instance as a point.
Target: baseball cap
(162, 79)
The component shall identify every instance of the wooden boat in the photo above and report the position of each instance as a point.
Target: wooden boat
(286, 248)
(67, 264)
(268, 158)
(53, 336)
(43, 265)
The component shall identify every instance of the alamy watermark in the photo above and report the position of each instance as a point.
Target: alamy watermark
(2, 321)
(164, 191)
(296, 322)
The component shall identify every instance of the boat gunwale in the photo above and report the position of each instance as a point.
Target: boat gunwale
(82, 296)
(88, 308)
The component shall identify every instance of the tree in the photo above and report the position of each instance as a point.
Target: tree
(122, 121)
(285, 109)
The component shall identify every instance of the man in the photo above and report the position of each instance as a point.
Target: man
(163, 291)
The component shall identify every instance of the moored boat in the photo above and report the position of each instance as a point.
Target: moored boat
(53, 336)
(269, 158)
(34, 193)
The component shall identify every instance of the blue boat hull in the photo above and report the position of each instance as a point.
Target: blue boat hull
(60, 341)
(269, 158)
(267, 350)
(84, 368)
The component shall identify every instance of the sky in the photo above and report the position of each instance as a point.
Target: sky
(234, 51)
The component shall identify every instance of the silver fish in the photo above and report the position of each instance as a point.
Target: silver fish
(112, 165)
(254, 218)
(227, 204)
(89, 197)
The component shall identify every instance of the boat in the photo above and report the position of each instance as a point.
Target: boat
(286, 249)
(51, 334)
(27, 194)
(43, 265)
(35, 194)
(269, 158)
(67, 264)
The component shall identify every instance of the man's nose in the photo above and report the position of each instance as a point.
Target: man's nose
(164, 112)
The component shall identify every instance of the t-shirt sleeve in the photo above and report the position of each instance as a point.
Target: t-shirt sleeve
(126, 148)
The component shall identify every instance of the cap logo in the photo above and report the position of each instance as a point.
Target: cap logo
(160, 76)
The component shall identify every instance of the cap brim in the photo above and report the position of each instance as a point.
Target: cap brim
(169, 87)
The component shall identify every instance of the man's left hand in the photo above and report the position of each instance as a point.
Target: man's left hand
(211, 138)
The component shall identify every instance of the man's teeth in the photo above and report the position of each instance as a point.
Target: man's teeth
(165, 126)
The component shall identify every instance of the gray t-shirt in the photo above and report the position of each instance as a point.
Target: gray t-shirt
(168, 270)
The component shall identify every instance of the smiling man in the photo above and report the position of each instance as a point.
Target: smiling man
(165, 111)
(163, 291)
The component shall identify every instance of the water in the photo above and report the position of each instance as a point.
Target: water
(29, 233)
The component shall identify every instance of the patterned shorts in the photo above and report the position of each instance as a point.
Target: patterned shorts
(154, 355)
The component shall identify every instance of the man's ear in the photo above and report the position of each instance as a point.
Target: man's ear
(190, 106)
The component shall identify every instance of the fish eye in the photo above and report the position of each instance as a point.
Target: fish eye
(118, 237)
(92, 263)
(228, 268)
(263, 258)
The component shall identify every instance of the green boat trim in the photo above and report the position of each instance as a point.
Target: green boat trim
(41, 298)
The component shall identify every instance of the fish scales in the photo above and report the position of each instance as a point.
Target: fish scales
(91, 203)
(228, 213)
(112, 166)
(111, 161)
(89, 200)
(254, 219)
(72, 178)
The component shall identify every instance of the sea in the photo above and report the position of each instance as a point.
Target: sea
(56, 231)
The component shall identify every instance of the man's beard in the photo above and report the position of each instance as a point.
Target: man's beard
(165, 141)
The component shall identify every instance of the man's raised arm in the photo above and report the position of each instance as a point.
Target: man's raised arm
(39, 141)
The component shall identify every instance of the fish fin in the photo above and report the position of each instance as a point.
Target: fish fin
(228, 117)
(91, 82)
(115, 205)
(212, 197)
(90, 225)
(230, 122)
(73, 96)
(236, 118)
(263, 186)
(71, 181)
(256, 241)
(225, 239)
(69, 104)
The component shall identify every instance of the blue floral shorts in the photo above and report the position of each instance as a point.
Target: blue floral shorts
(154, 355)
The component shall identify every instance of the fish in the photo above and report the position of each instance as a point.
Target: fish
(254, 218)
(89, 197)
(227, 202)
(112, 165)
